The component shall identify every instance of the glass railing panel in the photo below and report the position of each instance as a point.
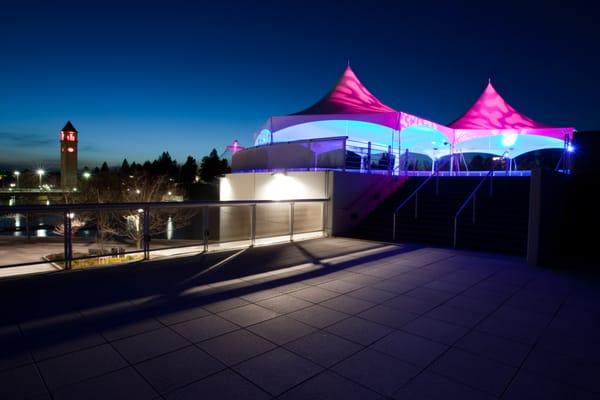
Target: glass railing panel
(31, 238)
(229, 223)
(308, 217)
(174, 227)
(272, 220)
(105, 236)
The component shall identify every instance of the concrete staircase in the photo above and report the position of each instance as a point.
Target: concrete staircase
(501, 220)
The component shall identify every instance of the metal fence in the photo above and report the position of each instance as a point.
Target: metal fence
(344, 154)
(69, 236)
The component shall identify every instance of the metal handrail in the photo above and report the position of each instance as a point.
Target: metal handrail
(156, 204)
(471, 196)
(415, 195)
(145, 209)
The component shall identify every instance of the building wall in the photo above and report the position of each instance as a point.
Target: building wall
(352, 196)
(273, 219)
(547, 205)
(274, 186)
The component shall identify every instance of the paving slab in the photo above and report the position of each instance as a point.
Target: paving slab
(329, 318)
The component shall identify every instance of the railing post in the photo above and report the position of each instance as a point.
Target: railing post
(565, 152)
(394, 228)
(437, 180)
(345, 155)
(390, 164)
(68, 245)
(492, 184)
(416, 205)
(474, 205)
(146, 214)
(291, 221)
(252, 224)
(205, 232)
(454, 234)
(27, 231)
(369, 158)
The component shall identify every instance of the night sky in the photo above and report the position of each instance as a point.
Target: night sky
(137, 78)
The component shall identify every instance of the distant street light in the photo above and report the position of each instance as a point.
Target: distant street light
(87, 175)
(17, 173)
(41, 173)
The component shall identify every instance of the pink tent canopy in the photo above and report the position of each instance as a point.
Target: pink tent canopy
(491, 111)
(491, 115)
(349, 109)
(348, 96)
(350, 100)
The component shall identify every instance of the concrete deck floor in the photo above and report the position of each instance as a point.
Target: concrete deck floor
(319, 319)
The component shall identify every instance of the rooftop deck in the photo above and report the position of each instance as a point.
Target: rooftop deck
(327, 318)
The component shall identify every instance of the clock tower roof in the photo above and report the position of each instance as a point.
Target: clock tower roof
(69, 127)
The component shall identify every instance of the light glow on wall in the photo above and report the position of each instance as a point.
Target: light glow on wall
(225, 191)
(282, 187)
(277, 186)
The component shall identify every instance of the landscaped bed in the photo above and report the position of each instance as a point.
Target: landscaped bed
(80, 262)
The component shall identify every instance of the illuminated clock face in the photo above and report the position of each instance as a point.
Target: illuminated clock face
(68, 136)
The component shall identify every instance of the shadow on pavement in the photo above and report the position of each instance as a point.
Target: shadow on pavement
(44, 311)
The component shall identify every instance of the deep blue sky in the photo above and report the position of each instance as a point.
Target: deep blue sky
(137, 78)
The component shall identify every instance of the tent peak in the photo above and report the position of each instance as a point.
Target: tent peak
(491, 111)
(348, 96)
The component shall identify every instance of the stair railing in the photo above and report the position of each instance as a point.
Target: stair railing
(473, 197)
(415, 194)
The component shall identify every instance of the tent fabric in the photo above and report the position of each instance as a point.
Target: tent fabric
(348, 96)
(351, 100)
(491, 111)
(492, 117)
(389, 119)
(489, 125)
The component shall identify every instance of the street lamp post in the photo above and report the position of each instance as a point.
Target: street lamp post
(41, 172)
(17, 173)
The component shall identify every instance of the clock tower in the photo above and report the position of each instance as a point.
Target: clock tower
(68, 157)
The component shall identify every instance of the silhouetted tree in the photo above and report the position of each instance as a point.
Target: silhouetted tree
(189, 170)
(147, 168)
(136, 169)
(213, 166)
(104, 169)
(165, 165)
(125, 168)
